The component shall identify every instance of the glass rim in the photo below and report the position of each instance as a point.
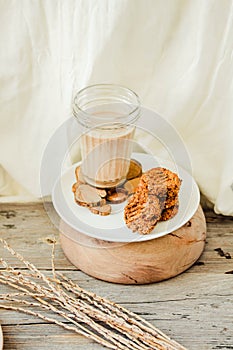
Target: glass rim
(86, 88)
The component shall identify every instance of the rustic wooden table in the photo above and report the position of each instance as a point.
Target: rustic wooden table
(195, 308)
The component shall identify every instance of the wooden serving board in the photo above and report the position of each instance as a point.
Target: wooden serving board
(138, 262)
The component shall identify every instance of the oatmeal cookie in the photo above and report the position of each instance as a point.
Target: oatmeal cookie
(155, 199)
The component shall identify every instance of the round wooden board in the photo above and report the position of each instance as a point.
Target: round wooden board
(139, 262)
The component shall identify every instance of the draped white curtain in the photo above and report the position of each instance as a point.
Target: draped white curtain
(176, 54)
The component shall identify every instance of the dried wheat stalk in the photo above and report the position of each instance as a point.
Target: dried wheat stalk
(115, 338)
(9, 280)
(90, 315)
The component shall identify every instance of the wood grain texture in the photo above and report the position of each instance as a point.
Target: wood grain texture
(137, 262)
(1, 338)
(194, 308)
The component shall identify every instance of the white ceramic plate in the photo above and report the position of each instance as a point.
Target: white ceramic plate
(112, 227)
(1, 338)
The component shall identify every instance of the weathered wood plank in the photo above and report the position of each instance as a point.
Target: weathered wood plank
(29, 228)
(42, 337)
(194, 308)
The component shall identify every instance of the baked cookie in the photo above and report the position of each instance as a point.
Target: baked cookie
(142, 213)
(156, 194)
(170, 202)
(169, 213)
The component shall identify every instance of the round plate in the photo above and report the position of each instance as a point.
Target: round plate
(112, 227)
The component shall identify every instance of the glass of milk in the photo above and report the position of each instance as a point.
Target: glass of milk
(107, 114)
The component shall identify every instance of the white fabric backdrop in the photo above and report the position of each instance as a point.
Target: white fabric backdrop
(176, 54)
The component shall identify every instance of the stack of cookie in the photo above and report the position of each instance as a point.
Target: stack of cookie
(155, 199)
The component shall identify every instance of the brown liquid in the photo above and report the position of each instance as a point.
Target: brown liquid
(106, 155)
